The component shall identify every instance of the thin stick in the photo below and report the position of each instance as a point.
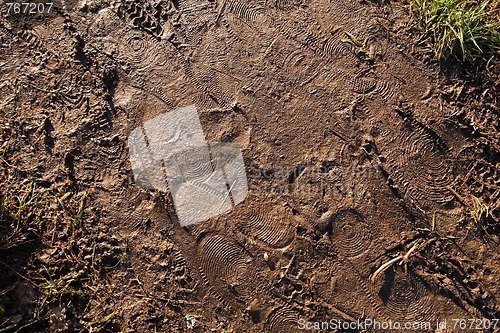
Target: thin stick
(391, 262)
(458, 196)
(334, 309)
(220, 12)
(384, 267)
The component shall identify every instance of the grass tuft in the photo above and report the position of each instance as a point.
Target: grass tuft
(55, 289)
(480, 214)
(465, 30)
(358, 47)
(21, 202)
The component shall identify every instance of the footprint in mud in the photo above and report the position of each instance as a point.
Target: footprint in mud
(402, 296)
(350, 234)
(224, 266)
(269, 224)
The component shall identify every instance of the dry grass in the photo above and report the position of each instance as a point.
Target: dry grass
(463, 30)
(30, 214)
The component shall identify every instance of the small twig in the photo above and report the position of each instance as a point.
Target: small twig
(407, 255)
(226, 196)
(382, 268)
(458, 196)
(220, 12)
(269, 47)
(225, 73)
(16, 168)
(287, 268)
(402, 257)
(334, 309)
(5, 291)
(178, 301)
(17, 273)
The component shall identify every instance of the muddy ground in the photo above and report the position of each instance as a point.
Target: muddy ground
(358, 149)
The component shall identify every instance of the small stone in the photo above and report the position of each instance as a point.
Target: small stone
(190, 321)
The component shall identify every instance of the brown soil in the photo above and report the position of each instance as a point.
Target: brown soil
(354, 156)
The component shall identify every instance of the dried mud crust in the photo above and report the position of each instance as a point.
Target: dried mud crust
(352, 161)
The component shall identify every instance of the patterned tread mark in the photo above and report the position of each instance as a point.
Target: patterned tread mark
(6, 33)
(334, 48)
(161, 93)
(194, 8)
(142, 15)
(224, 267)
(285, 5)
(270, 225)
(389, 91)
(31, 39)
(419, 165)
(282, 319)
(207, 83)
(308, 33)
(294, 58)
(216, 57)
(140, 51)
(37, 46)
(194, 17)
(226, 159)
(360, 110)
(350, 234)
(402, 296)
(209, 79)
(69, 92)
(247, 11)
(363, 85)
(195, 164)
